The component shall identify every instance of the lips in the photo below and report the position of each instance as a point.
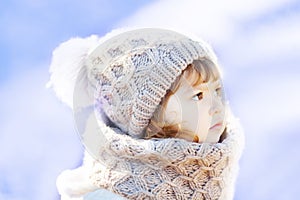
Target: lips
(217, 125)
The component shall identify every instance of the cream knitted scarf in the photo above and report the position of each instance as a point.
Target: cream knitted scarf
(168, 168)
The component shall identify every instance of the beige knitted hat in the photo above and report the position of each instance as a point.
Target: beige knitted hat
(132, 71)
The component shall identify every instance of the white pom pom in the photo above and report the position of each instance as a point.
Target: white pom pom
(68, 64)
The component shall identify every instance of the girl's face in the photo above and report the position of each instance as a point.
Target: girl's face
(199, 110)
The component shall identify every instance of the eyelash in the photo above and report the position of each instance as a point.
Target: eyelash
(196, 97)
(199, 96)
(219, 91)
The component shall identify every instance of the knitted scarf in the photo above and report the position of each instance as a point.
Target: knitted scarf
(168, 168)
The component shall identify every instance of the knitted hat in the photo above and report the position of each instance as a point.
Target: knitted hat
(131, 72)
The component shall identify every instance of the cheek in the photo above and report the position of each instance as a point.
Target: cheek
(203, 123)
(196, 117)
(204, 118)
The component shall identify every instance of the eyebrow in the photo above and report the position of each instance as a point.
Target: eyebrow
(203, 86)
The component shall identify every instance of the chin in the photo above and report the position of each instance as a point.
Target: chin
(214, 136)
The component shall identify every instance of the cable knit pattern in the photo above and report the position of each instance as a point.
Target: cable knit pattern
(168, 168)
(132, 72)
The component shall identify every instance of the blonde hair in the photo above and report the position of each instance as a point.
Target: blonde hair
(199, 71)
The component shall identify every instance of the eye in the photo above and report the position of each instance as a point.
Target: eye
(198, 96)
(219, 91)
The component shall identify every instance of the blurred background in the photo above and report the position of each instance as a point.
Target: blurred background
(258, 45)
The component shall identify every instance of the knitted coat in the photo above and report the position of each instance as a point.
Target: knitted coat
(166, 168)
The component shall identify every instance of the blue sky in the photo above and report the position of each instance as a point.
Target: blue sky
(258, 45)
(30, 29)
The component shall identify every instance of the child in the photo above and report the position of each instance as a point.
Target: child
(159, 127)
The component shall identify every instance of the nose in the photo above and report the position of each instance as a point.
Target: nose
(216, 105)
